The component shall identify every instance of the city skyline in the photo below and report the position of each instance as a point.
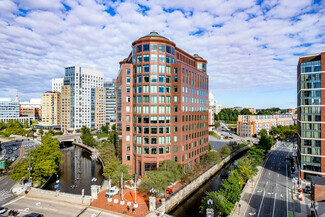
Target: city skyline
(252, 47)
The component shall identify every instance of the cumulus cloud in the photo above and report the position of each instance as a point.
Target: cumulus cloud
(250, 45)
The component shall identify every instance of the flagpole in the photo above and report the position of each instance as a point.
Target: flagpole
(122, 185)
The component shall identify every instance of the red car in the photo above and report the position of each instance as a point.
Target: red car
(169, 191)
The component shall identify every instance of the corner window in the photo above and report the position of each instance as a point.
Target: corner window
(128, 71)
(145, 47)
(161, 48)
(139, 48)
(153, 47)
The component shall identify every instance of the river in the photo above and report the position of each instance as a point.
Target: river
(191, 206)
(76, 172)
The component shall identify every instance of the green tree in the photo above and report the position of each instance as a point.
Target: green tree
(2, 125)
(225, 151)
(114, 127)
(262, 132)
(172, 166)
(158, 180)
(116, 175)
(41, 131)
(245, 169)
(245, 112)
(26, 124)
(216, 124)
(85, 130)
(266, 142)
(231, 187)
(220, 203)
(212, 157)
(45, 162)
(105, 128)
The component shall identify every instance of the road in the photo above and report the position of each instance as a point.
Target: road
(51, 208)
(271, 195)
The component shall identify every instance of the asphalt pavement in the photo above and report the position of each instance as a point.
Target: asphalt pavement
(271, 196)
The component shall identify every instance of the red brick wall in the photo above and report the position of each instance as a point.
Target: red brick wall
(318, 193)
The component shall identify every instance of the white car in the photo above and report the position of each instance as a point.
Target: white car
(3, 210)
(112, 191)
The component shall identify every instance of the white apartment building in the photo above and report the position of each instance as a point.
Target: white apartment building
(82, 81)
(56, 84)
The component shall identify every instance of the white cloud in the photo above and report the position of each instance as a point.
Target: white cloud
(248, 46)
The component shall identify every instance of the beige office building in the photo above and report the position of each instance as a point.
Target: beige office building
(51, 108)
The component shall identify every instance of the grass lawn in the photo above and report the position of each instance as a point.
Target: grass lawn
(101, 135)
(214, 134)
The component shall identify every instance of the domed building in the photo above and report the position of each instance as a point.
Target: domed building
(162, 105)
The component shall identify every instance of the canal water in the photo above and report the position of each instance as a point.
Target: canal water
(77, 171)
(190, 207)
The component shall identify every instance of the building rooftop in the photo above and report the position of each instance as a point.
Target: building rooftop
(154, 34)
(316, 180)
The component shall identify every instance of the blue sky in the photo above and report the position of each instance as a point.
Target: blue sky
(252, 47)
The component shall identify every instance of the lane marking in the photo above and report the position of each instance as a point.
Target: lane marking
(259, 210)
(13, 201)
(274, 205)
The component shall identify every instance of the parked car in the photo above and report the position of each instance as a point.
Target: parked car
(112, 191)
(34, 214)
(3, 210)
(9, 151)
(14, 148)
(307, 189)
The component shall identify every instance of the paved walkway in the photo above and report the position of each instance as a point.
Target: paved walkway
(140, 211)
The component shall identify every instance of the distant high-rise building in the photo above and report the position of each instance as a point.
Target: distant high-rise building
(51, 108)
(110, 101)
(311, 114)
(80, 97)
(56, 84)
(11, 110)
(162, 105)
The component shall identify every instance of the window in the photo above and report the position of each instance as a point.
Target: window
(128, 99)
(145, 47)
(161, 58)
(139, 48)
(146, 119)
(167, 89)
(139, 109)
(145, 88)
(168, 109)
(167, 149)
(161, 99)
(175, 108)
(153, 109)
(153, 99)
(162, 68)
(127, 138)
(175, 128)
(139, 69)
(153, 130)
(168, 49)
(145, 68)
(168, 79)
(153, 57)
(161, 48)
(146, 109)
(168, 59)
(175, 118)
(153, 68)
(154, 150)
(153, 140)
(145, 150)
(153, 47)
(161, 130)
(153, 119)
(139, 89)
(153, 89)
(175, 148)
(168, 69)
(146, 58)
(128, 79)
(153, 78)
(139, 59)
(138, 149)
(145, 78)
(161, 140)
(128, 148)
(139, 120)
(127, 128)
(167, 99)
(162, 78)
(175, 70)
(139, 79)
(175, 138)
(161, 119)
(146, 98)
(161, 150)
(127, 118)
(127, 108)
(128, 71)
(161, 88)
(175, 78)
(128, 157)
(161, 109)
(167, 119)
(175, 97)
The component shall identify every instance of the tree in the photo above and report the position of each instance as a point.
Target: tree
(266, 142)
(233, 145)
(172, 166)
(86, 137)
(85, 130)
(114, 127)
(46, 159)
(116, 175)
(245, 169)
(41, 131)
(105, 128)
(220, 203)
(225, 151)
(256, 154)
(26, 124)
(212, 157)
(262, 132)
(158, 180)
(2, 125)
(231, 187)
(245, 112)
(216, 124)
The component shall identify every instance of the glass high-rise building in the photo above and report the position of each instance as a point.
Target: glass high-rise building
(162, 105)
(110, 102)
(311, 114)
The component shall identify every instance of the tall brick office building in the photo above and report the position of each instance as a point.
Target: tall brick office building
(162, 105)
(311, 114)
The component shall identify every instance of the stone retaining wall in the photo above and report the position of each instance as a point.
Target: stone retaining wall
(60, 196)
(177, 197)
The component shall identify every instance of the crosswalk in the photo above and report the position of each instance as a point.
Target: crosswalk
(5, 195)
